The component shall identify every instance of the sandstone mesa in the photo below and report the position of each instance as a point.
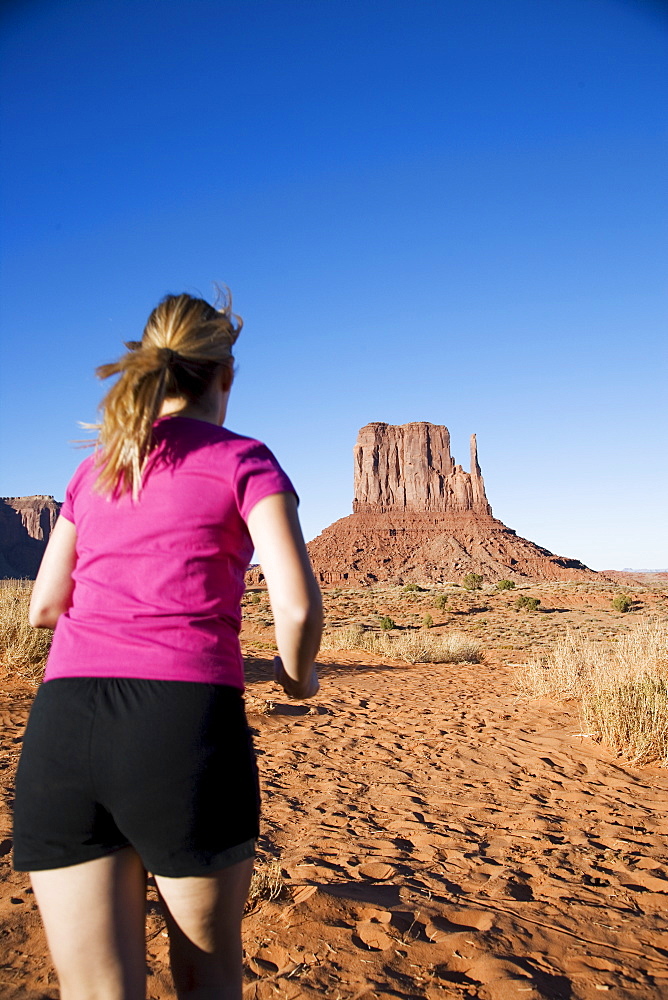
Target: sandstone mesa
(417, 517)
(25, 526)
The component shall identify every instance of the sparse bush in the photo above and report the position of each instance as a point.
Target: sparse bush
(526, 603)
(631, 717)
(441, 602)
(623, 689)
(427, 621)
(622, 602)
(425, 647)
(23, 649)
(386, 623)
(472, 581)
(412, 588)
(456, 647)
(505, 585)
(415, 647)
(266, 883)
(348, 637)
(255, 599)
(565, 672)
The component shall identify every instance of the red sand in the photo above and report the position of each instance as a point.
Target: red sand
(439, 837)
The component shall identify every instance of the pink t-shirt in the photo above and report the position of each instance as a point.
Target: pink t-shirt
(158, 581)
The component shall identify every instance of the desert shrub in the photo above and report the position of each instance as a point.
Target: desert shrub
(255, 599)
(566, 671)
(386, 623)
(456, 647)
(348, 637)
(425, 647)
(505, 585)
(23, 649)
(412, 588)
(631, 717)
(427, 621)
(266, 883)
(472, 581)
(622, 602)
(526, 603)
(441, 602)
(623, 689)
(420, 646)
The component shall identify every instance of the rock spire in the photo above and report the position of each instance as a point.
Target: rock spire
(420, 518)
(409, 468)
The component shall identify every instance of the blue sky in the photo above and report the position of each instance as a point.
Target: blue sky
(442, 211)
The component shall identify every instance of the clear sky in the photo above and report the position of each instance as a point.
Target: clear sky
(425, 209)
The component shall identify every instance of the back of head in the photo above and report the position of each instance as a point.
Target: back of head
(185, 344)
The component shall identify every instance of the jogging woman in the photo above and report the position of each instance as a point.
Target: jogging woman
(137, 756)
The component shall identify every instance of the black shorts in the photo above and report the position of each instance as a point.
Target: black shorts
(165, 766)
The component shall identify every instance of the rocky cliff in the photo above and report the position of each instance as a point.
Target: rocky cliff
(418, 517)
(25, 526)
(409, 468)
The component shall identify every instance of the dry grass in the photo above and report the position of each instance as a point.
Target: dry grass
(23, 649)
(631, 718)
(266, 883)
(567, 670)
(421, 646)
(622, 688)
(256, 705)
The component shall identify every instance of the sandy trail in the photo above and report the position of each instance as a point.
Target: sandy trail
(439, 837)
(463, 842)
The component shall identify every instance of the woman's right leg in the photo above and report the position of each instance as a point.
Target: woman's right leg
(204, 921)
(94, 916)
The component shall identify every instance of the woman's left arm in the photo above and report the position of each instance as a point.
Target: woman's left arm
(52, 591)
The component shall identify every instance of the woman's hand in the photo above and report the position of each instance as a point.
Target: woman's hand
(293, 688)
(295, 598)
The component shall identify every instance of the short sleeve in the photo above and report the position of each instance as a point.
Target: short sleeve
(258, 476)
(67, 509)
(73, 490)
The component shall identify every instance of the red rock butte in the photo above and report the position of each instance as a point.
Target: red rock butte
(25, 526)
(418, 517)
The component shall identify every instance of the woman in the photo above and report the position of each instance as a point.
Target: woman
(137, 755)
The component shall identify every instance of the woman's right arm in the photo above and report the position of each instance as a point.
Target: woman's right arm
(52, 590)
(294, 594)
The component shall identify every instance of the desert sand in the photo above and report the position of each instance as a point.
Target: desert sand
(431, 831)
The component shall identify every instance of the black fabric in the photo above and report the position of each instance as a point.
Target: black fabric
(166, 766)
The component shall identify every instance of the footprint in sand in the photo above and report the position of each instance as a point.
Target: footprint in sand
(376, 871)
(271, 960)
(371, 935)
(304, 892)
(454, 920)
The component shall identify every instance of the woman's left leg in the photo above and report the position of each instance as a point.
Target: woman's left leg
(94, 915)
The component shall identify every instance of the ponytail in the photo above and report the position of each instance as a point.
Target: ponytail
(186, 342)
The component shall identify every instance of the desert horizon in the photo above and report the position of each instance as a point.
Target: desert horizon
(417, 516)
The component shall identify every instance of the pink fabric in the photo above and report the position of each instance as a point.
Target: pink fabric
(158, 581)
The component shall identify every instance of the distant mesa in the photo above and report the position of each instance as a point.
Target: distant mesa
(418, 517)
(644, 577)
(25, 526)
(409, 468)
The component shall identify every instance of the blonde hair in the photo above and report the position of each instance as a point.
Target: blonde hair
(185, 344)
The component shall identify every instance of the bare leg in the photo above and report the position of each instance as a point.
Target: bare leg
(94, 916)
(204, 921)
